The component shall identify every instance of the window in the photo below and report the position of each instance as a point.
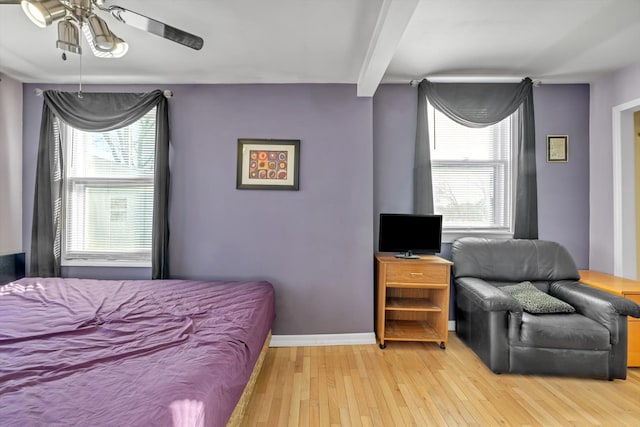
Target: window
(473, 175)
(108, 194)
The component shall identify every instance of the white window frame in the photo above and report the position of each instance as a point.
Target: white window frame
(80, 259)
(450, 234)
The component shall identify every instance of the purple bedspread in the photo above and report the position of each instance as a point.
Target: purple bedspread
(128, 353)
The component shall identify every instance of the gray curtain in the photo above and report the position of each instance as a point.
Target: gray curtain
(94, 112)
(479, 105)
(423, 187)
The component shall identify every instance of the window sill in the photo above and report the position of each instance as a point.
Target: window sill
(104, 263)
(451, 236)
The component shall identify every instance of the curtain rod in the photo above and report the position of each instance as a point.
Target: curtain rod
(167, 93)
(417, 82)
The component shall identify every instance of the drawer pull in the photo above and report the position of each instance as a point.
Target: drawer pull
(416, 274)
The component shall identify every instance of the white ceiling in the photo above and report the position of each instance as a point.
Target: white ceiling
(343, 41)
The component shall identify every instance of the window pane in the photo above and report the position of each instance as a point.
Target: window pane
(126, 152)
(470, 195)
(109, 218)
(109, 192)
(456, 142)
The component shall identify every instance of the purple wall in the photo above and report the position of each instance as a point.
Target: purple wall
(314, 245)
(394, 132)
(563, 188)
(615, 88)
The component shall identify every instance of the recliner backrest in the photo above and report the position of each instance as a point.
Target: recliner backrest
(512, 260)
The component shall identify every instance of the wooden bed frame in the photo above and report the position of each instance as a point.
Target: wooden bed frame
(241, 408)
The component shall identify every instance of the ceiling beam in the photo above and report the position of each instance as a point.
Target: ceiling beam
(392, 22)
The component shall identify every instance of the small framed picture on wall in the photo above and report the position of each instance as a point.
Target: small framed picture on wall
(557, 148)
(268, 164)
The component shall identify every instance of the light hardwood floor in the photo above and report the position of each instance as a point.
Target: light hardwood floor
(414, 384)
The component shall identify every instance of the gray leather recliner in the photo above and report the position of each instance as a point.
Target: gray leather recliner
(592, 342)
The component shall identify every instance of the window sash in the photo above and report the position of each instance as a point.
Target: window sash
(497, 214)
(133, 236)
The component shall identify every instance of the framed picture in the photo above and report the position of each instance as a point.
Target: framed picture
(557, 148)
(268, 164)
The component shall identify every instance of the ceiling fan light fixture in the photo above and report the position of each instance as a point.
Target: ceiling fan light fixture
(43, 12)
(68, 37)
(103, 38)
(121, 48)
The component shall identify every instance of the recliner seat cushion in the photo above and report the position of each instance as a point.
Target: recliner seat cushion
(563, 331)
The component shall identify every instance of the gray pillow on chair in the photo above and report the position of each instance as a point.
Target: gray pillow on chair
(535, 301)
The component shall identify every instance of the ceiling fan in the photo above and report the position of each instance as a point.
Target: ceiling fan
(76, 15)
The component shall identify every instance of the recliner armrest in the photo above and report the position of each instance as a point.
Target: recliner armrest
(486, 296)
(607, 309)
(580, 295)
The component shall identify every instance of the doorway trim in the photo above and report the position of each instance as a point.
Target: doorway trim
(624, 234)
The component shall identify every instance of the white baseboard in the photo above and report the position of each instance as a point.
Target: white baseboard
(322, 339)
(329, 339)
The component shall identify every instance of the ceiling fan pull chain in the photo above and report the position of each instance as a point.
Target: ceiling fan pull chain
(80, 78)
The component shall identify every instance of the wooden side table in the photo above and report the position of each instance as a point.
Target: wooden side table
(628, 289)
(412, 299)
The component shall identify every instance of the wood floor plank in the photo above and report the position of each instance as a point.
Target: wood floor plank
(418, 384)
(332, 397)
(324, 415)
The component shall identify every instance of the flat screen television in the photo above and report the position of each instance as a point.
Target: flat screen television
(410, 234)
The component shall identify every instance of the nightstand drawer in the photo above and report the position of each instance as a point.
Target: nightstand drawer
(633, 346)
(407, 273)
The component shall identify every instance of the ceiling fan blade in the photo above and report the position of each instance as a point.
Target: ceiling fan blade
(156, 27)
(9, 1)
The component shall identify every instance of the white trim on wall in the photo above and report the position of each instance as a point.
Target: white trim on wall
(624, 235)
(322, 340)
(329, 339)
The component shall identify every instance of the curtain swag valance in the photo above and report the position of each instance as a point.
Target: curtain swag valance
(94, 112)
(479, 105)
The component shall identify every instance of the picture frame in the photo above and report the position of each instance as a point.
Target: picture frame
(268, 164)
(557, 148)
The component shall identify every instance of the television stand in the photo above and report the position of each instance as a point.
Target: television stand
(407, 255)
(412, 299)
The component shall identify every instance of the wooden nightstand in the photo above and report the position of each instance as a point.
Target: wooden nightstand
(412, 299)
(627, 288)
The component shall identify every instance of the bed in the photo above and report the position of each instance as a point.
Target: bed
(130, 353)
